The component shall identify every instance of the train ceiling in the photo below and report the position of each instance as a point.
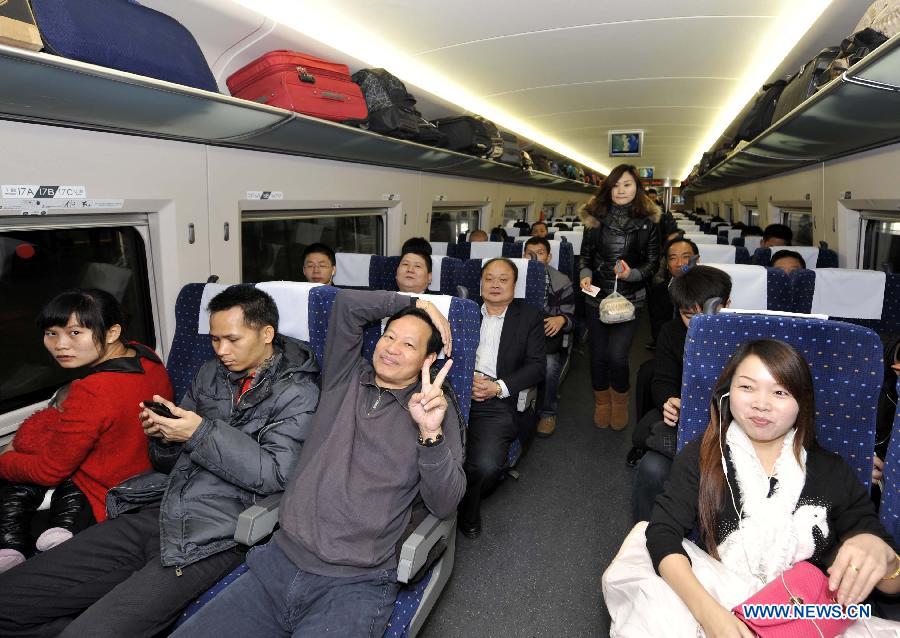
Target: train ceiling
(565, 73)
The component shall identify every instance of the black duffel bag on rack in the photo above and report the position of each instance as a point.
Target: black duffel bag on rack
(472, 135)
(392, 109)
(802, 86)
(512, 155)
(757, 116)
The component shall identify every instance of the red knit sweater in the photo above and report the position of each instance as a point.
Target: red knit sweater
(97, 439)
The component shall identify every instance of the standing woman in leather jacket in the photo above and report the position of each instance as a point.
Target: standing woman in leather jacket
(621, 241)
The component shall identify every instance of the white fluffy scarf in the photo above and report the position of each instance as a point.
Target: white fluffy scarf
(773, 533)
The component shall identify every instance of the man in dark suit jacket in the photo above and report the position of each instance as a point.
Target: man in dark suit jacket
(510, 358)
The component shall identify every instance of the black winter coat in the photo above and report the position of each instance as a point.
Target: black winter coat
(636, 243)
(238, 454)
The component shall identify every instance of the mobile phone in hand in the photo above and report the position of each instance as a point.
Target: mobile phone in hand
(160, 409)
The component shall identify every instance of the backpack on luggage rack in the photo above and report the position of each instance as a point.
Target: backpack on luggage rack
(392, 109)
(472, 135)
(804, 84)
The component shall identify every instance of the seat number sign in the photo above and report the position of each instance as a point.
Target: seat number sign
(35, 191)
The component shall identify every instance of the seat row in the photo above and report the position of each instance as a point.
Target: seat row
(304, 310)
(376, 272)
(865, 297)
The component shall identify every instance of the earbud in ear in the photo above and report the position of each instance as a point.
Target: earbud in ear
(711, 306)
(727, 394)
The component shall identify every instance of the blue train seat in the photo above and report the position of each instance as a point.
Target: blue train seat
(480, 249)
(561, 255)
(865, 297)
(814, 257)
(719, 254)
(416, 600)
(574, 237)
(755, 287)
(846, 367)
(890, 499)
(727, 234)
(354, 270)
(530, 287)
(439, 247)
(383, 273)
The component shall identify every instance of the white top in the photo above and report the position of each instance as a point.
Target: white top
(702, 238)
(292, 299)
(850, 293)
(752, 242)
(522, 266)
(574, 237)
(438, 247)
(489, 346)
(810, 254)
(749, 285)
(717, 253)
(486, 249)
(209, 291)
(352, 270)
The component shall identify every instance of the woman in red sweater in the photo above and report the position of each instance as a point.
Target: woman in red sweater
(89, 438)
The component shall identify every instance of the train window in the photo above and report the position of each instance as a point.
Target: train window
(570, 210)
(35, 264)
(448, 223)
(549, 210)
(751, 217)
(272, 242)
(801, 222)
(515, 213)
(881, 243)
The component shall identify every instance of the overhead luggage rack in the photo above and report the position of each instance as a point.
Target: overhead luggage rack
(52, 90)
(857, 112)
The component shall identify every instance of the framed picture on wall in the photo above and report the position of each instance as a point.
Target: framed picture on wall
(626, 143)
(645, 172)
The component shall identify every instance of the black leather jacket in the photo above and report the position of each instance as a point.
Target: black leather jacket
(633, 240)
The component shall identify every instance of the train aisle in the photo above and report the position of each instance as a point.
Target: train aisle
(547, 537)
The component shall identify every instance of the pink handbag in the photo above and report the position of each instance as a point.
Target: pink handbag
(802, 584)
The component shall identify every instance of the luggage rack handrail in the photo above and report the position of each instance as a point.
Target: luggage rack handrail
(827, 135)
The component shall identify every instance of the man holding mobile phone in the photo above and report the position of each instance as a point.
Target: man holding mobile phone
(234, 438)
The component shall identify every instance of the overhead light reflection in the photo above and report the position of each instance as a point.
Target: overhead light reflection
(796, 19)
(318, 20)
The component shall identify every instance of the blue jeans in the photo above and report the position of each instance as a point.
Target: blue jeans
(652, 472)
(274, 598)
(551, 384)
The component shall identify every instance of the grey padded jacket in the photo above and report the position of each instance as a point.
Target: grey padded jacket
(238, 454)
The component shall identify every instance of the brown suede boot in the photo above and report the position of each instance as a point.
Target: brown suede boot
(546, 426)
(601, 408)
(619, 412)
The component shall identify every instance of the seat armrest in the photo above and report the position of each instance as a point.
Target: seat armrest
(415, 550)
(257, 521)
(526, 398)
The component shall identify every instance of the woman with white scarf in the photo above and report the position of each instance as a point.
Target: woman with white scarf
(764, 496)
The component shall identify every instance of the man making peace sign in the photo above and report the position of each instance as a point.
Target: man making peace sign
(381, 435)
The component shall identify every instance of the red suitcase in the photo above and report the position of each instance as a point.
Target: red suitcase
(301, 83)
